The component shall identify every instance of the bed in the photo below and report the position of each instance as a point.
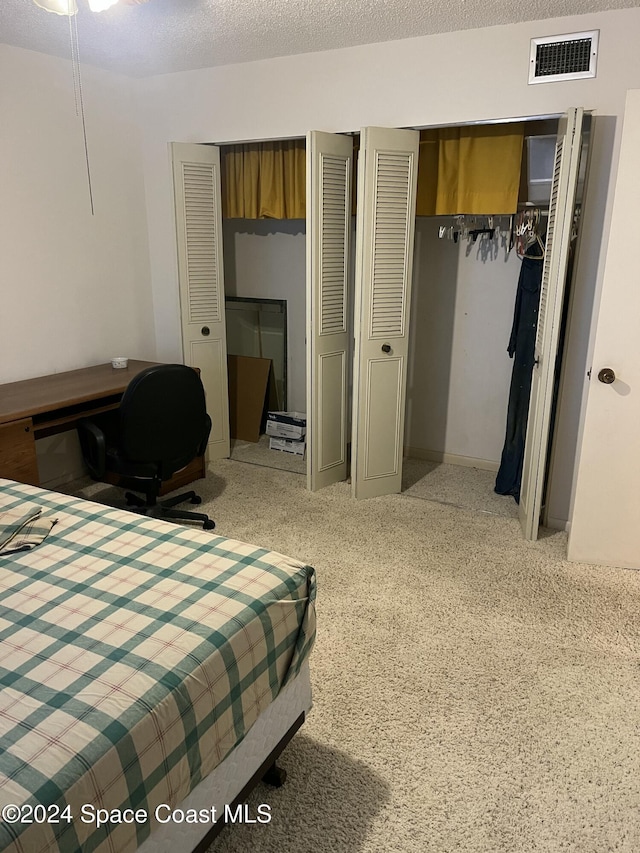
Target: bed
(149, 673)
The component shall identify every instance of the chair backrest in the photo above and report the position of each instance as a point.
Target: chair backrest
(163, 417)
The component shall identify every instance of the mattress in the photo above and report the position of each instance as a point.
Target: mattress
(221, 787)
(135, 655)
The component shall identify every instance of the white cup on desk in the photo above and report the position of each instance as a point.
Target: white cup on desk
(119, 363)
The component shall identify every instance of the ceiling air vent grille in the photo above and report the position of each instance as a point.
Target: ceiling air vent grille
(570, 57)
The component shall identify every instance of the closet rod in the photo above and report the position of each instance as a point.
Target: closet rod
(513, 120)
(541, 208)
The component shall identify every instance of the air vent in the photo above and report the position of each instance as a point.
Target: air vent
(570, 57)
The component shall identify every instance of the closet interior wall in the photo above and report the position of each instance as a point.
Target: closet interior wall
(459, 371)
(265, 259)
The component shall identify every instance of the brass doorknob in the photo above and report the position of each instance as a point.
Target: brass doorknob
(607, 376)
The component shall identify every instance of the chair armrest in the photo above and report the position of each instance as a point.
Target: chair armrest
(94, 447)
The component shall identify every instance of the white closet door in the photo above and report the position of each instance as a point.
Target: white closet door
(561, 213)
(385, 226)
(328, 226)
(196, 176)
(605, 524)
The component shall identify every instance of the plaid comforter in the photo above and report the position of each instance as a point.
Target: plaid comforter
(134, 655)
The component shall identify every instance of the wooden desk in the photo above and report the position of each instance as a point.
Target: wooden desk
(35, 408)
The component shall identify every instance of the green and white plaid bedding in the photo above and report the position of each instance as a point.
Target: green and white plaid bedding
(134, 655)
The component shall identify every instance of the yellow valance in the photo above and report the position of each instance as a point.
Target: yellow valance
(473, 170)
(264, 180)
(469, 170)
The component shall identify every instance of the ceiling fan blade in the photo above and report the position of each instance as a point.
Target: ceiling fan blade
(60, 7)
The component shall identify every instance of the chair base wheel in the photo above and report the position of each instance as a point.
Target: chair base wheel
(167, 508)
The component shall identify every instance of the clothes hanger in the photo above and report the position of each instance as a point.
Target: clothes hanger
(539, 243)
(536, 240)
(527, 232)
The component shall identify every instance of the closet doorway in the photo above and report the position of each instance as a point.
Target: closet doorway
(448, 361)
(273, 251)
(264, 247)
(385, 228)
(263, 226)
(463, 320)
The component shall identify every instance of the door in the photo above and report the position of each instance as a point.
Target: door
(329, 159)
(196, 178)
(385, 225)
(556, 256)
(605, 522)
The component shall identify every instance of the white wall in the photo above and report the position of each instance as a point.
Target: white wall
(75, 287)
(459, 371)
(448, 78)
(266, 258)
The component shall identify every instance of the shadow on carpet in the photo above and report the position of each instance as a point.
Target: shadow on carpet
(335, 797)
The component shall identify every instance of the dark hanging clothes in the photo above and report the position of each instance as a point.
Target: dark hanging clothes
(521, 349)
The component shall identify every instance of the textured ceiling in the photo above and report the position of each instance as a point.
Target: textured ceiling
(177, 35)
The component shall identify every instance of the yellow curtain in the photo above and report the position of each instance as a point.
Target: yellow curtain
(264, 180)
(469, 170)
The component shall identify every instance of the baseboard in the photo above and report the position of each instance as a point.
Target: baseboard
(451, 458)
(558, 524)
(56, 482)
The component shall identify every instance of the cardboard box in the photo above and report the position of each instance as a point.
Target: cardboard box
(287, 425)
(287, 445)
(251, 394)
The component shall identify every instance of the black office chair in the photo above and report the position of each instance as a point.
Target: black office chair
(160, 426)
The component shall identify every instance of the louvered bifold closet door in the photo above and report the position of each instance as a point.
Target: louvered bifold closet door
(328, 228)
(385, 226)
(196, 178)
(554, 273)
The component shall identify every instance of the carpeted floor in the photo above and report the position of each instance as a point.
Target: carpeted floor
(466, 487)
(259, 453)
(472, 691)
(458, 485)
